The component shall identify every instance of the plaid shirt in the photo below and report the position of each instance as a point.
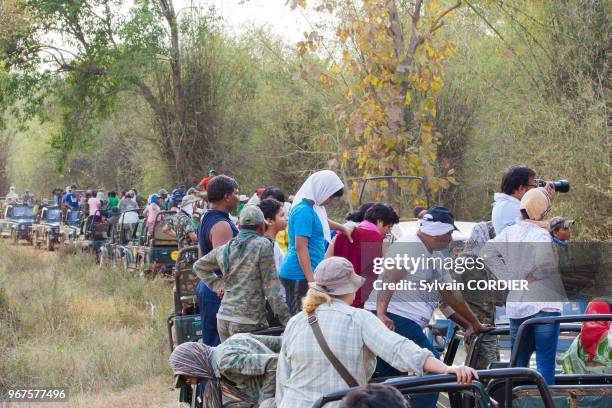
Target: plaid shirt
(356, 337)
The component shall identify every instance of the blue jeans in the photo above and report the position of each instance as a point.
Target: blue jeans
(209, 306)
(542, 338)
(412, 331)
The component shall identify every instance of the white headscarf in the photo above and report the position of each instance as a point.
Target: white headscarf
(100, 195)
(318, 188)
(434, 228)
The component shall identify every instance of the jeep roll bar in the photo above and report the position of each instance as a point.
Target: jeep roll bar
(544, 320)
(505, 331)
(419, 178)
(406, 384)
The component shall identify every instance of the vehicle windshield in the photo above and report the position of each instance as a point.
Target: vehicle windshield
(23, 212)
(53, 215)
(402, 193)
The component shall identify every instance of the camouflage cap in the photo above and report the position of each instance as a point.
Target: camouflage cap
(163, 191)
(251, 216)
(560, 222)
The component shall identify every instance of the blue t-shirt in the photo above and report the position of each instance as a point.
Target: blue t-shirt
(303, 222)
(72, 200)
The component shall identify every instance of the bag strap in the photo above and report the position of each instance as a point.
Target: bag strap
(340, 368)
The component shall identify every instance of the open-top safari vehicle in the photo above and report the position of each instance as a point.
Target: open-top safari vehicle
(404, 193)
(93, 232)
(151, 251)
(47, 228)
(16, 222)
(122, 227)
(69, 228)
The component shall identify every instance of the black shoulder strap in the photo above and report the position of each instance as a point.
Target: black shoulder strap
(340, 368)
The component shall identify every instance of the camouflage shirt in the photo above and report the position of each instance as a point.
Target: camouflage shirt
(249, 361)
(249, 279)
(182, 225)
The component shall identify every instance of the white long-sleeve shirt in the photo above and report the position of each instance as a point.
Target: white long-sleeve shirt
(521, 251)
(355, 336)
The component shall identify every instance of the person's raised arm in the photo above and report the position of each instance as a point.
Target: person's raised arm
(333, 225)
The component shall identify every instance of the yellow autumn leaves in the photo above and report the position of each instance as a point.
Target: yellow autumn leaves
(388, 110)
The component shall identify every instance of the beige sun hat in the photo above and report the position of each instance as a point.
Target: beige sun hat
(336, 276)
(537, 203)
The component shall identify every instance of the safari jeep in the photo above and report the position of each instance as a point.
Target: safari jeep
(404, 193)
(151, 253)
(16, 222)
(47, 229)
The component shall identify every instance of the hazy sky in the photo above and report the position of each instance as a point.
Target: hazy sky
(273, 14)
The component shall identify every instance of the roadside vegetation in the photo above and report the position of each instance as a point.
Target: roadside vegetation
(489, 84)
(66, 321)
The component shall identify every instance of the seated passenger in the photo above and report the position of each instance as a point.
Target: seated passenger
(355, 336)
(246, 360)
(373, 396)
(590, 352)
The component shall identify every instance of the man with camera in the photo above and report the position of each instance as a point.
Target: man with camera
(517, 180)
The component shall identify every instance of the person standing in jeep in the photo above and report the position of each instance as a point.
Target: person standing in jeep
(215, 229)
(517, 180)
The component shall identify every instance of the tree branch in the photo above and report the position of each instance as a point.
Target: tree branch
(438, 22)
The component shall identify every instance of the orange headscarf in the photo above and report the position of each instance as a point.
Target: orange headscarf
(592, 331)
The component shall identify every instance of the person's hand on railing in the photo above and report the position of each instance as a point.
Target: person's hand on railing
(472, 331)
(464, 374)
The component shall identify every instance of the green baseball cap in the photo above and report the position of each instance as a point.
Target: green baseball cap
(251, 216)
(211, 170)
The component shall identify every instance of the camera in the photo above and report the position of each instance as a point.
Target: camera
(561, 186)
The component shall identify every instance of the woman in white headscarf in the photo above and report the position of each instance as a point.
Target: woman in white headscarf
(309, 230)
(12, 195)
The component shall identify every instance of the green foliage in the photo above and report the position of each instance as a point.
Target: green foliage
(529, 84)
(523, 106)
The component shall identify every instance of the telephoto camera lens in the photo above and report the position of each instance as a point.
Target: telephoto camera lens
(561, 186)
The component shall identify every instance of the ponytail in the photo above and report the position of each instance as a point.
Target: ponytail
(313, 299)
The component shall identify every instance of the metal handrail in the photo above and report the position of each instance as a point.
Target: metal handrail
(521, 333)
(405, 383)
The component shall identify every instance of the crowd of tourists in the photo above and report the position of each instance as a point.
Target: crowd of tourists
(269, 260)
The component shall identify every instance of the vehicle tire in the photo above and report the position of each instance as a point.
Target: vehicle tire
(49, 243)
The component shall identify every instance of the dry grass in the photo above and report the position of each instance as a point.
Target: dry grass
(66, 322)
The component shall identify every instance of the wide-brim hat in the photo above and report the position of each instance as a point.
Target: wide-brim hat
(189, 199)
(336, 276)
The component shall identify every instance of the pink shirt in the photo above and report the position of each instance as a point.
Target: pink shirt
(366, 245)
(152, 211)
(94, 205)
